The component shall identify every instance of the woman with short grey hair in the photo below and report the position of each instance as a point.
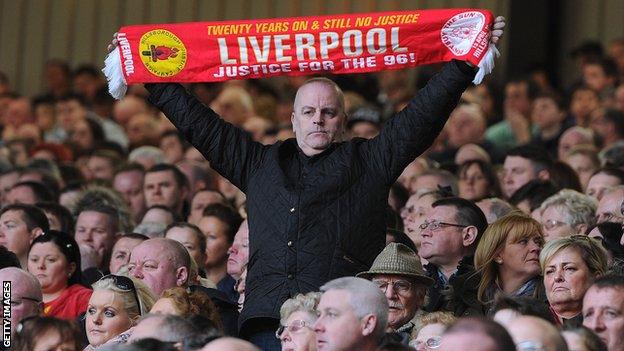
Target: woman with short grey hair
(569, 266)
(297, 317)
(566, 213)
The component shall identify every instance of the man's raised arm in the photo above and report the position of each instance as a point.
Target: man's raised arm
(412, 131)
(230, 150)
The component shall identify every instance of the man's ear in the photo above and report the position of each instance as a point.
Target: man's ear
(35, 233)
(369, 322)
(580, 228)
(469, 235)
(182, 276)
(292, 121)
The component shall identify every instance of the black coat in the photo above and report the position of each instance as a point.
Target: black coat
(312, 219)
(460, 298)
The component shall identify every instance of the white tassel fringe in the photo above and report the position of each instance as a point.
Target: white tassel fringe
(487, 64)
(117, 86)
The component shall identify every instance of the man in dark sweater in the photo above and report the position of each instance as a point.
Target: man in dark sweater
(316, 206)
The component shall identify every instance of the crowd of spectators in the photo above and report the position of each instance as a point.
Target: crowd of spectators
(506, 234)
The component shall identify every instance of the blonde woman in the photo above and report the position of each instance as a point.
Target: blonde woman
(115, 306)
(507, 258)
(569, 266)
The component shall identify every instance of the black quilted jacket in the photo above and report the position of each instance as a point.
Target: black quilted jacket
(312, 219)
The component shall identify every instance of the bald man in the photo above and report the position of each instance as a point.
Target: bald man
(574, 136)
(529, 330)
(229, 344)
(161, 264)
(479, 333)
(26, 296)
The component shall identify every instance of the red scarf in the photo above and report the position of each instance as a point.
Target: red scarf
(353, 43)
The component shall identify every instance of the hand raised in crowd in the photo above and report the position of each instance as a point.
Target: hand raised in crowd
(114, 43)
(497, 29)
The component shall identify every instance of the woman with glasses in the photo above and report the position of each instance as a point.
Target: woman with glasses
(432, 325)
(566, 213)
(116, 305)
(507, 258)
(297, 317)
(569, 266)
(54, 258)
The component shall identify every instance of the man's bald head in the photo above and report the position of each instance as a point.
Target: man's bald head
(127, 107)
(25, 291)
(229, 344)
(161, 264)
(525, 329)
(170, 248)
(322, 81)
(20, 279)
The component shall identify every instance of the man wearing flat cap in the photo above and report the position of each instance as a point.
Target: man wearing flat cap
(399, 274)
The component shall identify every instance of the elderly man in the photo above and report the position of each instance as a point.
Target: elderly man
(353, 316)
(603, 310)
(574, 136)
(161, 264)
(399, 274)
(609, 206)
(26, 296)
(449, 238)
(533, 333)
(316, 206)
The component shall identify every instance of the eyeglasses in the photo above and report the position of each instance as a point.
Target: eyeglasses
(432, 343)
(399, 286)
(552, 224)
(435, 225)
(17, 302)
(530, 345)
(293, 328)
(125, 284)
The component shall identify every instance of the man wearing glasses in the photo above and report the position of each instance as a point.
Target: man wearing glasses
(449, 239)
(26, 296)
(397, 271)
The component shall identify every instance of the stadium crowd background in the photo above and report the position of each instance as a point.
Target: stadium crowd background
(86, 181)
